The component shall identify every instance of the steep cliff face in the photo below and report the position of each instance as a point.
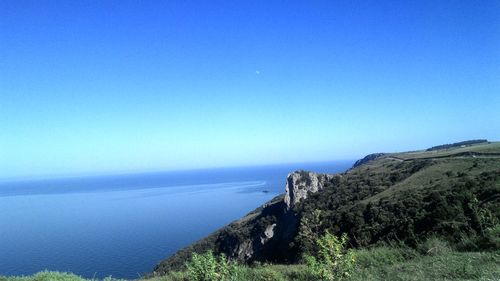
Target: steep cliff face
(266, 234)
(301, 183)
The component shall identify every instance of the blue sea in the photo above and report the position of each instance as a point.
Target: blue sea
(123, 225)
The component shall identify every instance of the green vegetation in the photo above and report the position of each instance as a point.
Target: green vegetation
(394, 263)
(208, 267)
(488, 148)
(433, 260)
(331, 261)
(457, 144)
(53, 276)
(456, 198)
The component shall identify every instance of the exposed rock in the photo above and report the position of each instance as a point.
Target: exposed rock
(268, 233)
(300, 183)
(245, 250)
(264, 235)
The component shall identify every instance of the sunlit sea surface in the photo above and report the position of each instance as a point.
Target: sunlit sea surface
(122, 225)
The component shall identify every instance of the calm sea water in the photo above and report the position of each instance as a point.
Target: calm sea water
(123, 225)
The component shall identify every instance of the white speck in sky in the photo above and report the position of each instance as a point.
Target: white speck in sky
(257, 72)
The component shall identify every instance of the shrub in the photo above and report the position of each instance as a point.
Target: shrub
(434, 246)
(309, 231)
(492, 237)
(208, 267)
(331, 261)
(56, 276)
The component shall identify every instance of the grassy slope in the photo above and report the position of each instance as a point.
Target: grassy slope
(446, 160)
(387, 263)
(492, 147)
(400, 186)
(435, 172)
(382, 263)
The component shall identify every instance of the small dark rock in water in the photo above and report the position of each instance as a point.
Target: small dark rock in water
(265, 191)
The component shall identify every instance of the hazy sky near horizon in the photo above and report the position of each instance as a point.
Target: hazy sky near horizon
(105, 86)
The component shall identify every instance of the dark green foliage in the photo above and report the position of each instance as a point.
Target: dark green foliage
(310, 230)
(457, 144)
(462, 207)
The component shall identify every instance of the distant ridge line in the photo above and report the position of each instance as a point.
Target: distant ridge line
(452, 145)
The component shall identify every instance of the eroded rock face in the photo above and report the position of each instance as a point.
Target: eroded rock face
(245, 250)
(277, 224)
(268, 233)
(301, 183)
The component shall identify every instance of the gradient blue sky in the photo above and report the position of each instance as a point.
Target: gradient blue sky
(107, 86)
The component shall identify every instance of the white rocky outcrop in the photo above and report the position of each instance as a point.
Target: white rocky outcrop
(268, 233)
(301, 183)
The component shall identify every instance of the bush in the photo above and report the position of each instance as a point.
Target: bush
(208, 267)
(434, 246)
(331, 261)
(309, 231)
(56, 276)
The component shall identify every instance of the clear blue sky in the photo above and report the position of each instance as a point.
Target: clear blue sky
(106, 86)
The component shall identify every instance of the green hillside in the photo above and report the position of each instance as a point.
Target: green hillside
(404, 198)
(408, 197)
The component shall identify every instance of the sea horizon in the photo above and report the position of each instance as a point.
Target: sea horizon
(60, 224)
(43, 177)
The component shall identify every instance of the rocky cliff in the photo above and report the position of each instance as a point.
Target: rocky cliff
(266, 234)
(301, 183)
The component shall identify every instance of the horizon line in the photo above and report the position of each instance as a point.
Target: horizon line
(153, 171)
